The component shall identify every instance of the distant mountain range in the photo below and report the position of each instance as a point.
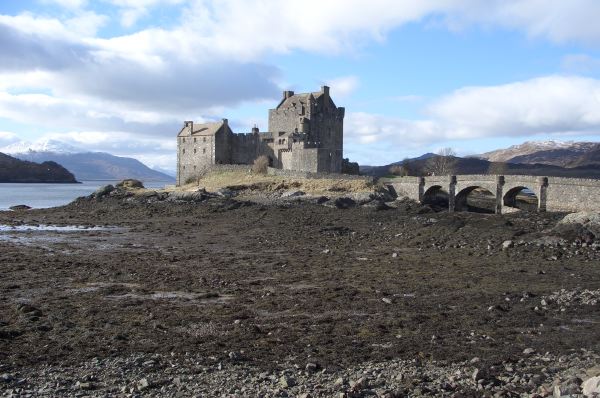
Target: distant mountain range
(545, 158)
(557, 153)
(84, 165)
(16, 170)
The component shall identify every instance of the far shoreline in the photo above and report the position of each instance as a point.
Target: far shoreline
(41, 182)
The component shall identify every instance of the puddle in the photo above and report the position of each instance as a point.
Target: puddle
(47, 236)
(203, 297)
(95, 286)
(53, 228)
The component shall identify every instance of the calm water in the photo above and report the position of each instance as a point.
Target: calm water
(51, 195)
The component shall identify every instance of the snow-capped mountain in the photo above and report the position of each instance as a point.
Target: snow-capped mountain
(85, 165)
(559, 153)
(48, 145)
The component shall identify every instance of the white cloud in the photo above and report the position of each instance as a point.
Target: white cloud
(344, 86)
(7, 137)
(144, 83)
(86, 23)
(551, 105)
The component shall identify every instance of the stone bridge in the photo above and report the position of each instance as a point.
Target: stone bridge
(551, 193)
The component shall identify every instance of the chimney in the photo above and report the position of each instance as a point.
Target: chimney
(325, 90)
(255, 129)
(287, 94)
(225, 122)
(190, 124)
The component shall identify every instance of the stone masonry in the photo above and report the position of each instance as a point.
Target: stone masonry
(306, 133)
(551, 193)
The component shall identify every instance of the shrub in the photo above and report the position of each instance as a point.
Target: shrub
(261, 164)
(195, 179)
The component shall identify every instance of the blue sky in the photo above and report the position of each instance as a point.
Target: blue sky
(122, 75)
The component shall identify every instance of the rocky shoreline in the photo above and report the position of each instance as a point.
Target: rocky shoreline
(530, 375)
(277, 293)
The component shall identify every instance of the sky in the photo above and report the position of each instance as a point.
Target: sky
(121, 76)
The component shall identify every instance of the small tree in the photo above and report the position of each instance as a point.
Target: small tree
(260, 165)
(443, 163)
(403, 169)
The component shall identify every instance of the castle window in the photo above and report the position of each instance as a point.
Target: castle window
(194, 167)
(184, 167)
(194, 150)
(203, 150)
(183, 150)
(204, 139)
(183, 139)
(194, 139)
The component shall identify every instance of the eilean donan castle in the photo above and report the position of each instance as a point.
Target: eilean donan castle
(306, 133)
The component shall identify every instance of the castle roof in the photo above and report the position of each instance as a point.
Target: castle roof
(299, 98)
(201, 129)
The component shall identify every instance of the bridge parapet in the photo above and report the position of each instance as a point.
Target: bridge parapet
(552, 193)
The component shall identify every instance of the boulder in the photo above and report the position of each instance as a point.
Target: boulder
(226, 193)
(130, 184)
(377, 205)
(103, 191)
(344, 203)
(19, 208)
(385, 194)
(589, 220)
(186, 196)
(362, 197)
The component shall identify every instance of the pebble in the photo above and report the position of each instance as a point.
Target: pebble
(507, 244)
(528, 351)
(286, 381)
(591, 387)
(533, 375)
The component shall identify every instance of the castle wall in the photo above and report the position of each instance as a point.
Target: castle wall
(194, 154)
(286, 159)
(287, 120)
(245, 148)
(222, 153)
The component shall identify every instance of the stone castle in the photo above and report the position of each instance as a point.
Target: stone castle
(306, 133)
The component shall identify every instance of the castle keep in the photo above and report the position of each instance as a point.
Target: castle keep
(305, 134)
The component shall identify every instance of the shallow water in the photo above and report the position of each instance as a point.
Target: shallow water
(40, 196)
(50, 228)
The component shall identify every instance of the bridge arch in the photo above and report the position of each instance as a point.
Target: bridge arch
(436, 195)
(475, 199)
(521, 197)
